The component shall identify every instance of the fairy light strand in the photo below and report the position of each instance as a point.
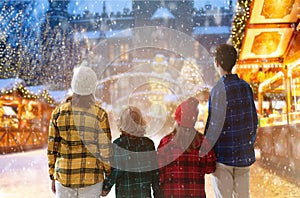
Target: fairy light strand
(239, 22)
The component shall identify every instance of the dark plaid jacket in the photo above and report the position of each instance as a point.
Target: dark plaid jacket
(134, 168)
(232, 121)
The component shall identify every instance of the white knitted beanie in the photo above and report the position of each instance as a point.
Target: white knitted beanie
(84, 80)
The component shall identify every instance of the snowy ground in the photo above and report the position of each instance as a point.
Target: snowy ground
(24, 175)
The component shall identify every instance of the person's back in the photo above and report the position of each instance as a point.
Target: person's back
(135, 159)
(235, 146)
(87, 141)
(182, 168)
(185, 174)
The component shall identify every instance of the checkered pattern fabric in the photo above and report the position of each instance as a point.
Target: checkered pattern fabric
(182, 173)
(79, 145)
(135, 168)
(232, 121)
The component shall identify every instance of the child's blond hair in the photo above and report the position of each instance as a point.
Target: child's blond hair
(132, 122)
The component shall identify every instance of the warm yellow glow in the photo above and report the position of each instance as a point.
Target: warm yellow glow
(264, 85)
(274, 11)
(266, 43)
(261, 40)
(277, 8)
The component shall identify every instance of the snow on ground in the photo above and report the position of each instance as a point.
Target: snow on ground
(25, 175)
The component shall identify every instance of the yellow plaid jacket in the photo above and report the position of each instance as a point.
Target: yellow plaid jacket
(79, 145)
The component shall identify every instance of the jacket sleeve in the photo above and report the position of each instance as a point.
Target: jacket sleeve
(208, 156)
(255, 118)
(210, 159)
(155, 177)
(116, 170)
(53, 142)
(112, 178)
(104, 142)
(161, 157)
(216, 113)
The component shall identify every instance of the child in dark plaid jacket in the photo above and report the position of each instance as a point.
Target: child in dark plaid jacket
(135, 159)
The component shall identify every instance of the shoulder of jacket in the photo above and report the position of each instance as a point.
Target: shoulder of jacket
(166, 139)
(98, 106)
(62, 106)
(117, 140)
(148, 140)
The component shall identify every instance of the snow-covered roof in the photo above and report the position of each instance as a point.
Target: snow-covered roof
(119, 33)
(162, 13)
(87, 35)
(36, 89)
(212, 30)
(10, 83)
(58, 95)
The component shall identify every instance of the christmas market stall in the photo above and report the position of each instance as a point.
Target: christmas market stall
(24, 116)
(267, 37)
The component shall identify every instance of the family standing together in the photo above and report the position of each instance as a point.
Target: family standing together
(84, 162)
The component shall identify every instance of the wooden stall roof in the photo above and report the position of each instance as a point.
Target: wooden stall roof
(271, 33)
(18, 86)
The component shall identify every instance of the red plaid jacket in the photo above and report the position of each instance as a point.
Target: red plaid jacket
(182, 172)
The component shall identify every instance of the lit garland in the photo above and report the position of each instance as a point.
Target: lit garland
(45, 96)
(21, 89)
(24, 92)
(239, 22)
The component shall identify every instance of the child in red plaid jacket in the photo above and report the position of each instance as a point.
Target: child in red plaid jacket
(182, 165)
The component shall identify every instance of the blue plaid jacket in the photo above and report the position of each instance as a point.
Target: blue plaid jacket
(232, 121)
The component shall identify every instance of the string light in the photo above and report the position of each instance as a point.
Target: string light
(15, 58)
(239, 22)
(24, 92)
(25, 50)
